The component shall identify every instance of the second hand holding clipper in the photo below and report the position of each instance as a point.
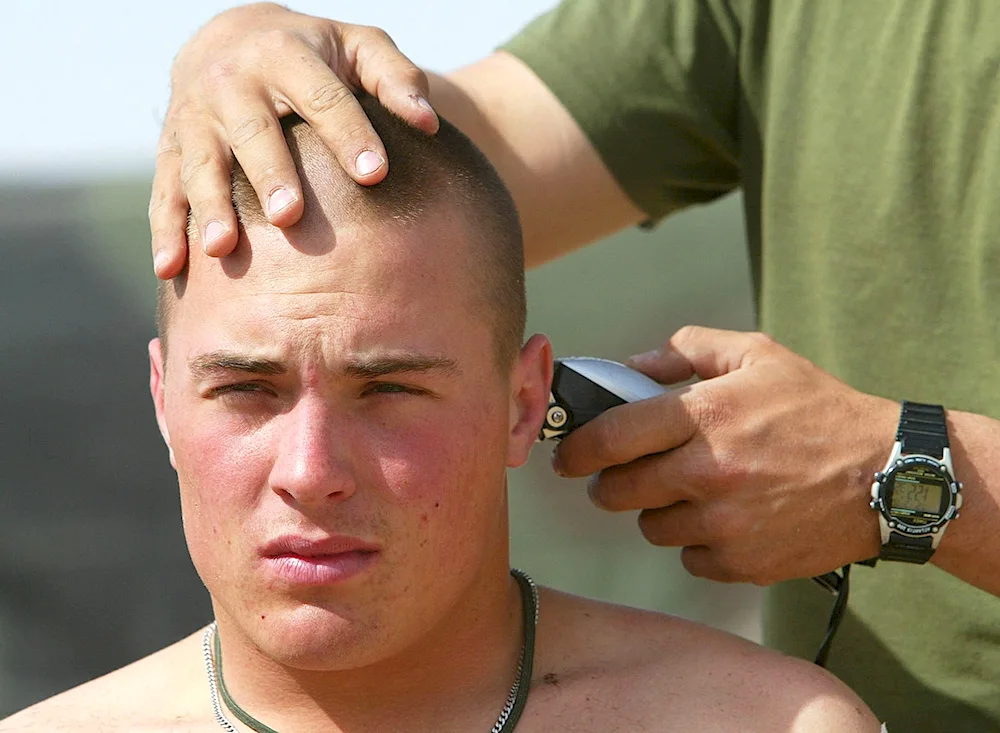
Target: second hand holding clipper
(584, 386)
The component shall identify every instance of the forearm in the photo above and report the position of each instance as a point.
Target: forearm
(970, 549)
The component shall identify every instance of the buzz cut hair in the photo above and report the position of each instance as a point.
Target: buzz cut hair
(427, 173)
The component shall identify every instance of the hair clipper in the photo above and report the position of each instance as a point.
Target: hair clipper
(583, 387)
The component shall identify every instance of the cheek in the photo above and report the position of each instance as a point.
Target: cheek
(220, 470)
(446, 472)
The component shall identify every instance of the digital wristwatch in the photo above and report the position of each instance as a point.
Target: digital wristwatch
(916, 494)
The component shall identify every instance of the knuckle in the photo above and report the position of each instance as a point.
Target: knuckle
(195, 162)
(276, 40)
(710, 410)
(166, 228)
(412, 76)
(169, 146)
(687, 333)
(220, 74)
(724, 523)
(375, 34)
(179, 111)
(165, 202)
(328, 97)
(729, 472)
(762, 339)
(738, 565)
(249, 129)
(607, 437)
(159, 208)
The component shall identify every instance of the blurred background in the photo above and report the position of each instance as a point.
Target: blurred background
(93, 568)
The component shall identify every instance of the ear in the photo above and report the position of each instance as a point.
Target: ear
(531, 383)
(157, 386)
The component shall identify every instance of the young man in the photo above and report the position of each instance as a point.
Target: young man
(341, 400)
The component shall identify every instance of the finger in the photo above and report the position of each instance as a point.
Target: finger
(258, 142)
(320, 97)
(696, 350)
(168, 209)
(650, 482)
(625, 433)
(677, 525)
(695, 522)
(205, 175)
(705, 562)
(399, 84)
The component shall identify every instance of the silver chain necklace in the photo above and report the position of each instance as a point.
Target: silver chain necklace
(498, 727)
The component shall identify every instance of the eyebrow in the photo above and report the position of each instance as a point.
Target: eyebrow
(380, 366)
(223, 362)
(220, 362)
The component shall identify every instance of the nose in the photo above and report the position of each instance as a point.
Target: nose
(314, 463)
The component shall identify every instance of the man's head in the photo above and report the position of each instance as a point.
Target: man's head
(341, 400)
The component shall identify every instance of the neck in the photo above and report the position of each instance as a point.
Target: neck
(465, 665)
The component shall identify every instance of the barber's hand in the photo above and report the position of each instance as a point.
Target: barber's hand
(233, 81)
(761, 471)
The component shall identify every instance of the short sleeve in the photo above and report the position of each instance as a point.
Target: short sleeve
(654, 84)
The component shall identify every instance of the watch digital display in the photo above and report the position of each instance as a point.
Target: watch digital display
(919, 494)
(920, 497)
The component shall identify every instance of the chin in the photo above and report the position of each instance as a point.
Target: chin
(316, 639)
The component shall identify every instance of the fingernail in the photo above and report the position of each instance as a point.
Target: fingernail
(159, 260)
(368, 162)
(213, 230)
(646, 357)
(556, 466)
(594, 489)
(424, 104)
(280, 199)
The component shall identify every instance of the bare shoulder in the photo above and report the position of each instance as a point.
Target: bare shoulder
(640, 670)
(156, 693)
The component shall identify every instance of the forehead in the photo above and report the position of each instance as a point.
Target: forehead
(374, 284)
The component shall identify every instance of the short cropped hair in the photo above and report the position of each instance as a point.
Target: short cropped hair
(425, 172)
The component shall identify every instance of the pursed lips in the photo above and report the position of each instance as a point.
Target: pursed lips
(318, 560)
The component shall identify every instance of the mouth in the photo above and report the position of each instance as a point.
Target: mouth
(324, 561)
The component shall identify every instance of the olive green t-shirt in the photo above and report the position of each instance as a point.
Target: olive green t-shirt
(865, 135)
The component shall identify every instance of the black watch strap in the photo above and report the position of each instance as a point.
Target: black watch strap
(907, 549)
(922, 429)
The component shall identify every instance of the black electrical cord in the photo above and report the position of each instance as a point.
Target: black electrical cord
(839, 585)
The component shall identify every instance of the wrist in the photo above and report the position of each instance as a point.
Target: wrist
(916, 494)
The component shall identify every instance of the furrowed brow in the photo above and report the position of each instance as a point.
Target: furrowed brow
(384, 366)
(220, 362)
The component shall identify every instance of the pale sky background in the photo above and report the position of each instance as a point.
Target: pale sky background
(86, 83)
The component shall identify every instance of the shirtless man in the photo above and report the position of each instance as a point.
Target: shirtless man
(341, 400)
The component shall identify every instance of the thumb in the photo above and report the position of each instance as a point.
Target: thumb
(695, 350)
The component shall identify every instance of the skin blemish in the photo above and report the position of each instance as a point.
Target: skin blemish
(423, 517)
(551, 678)
(437, 504)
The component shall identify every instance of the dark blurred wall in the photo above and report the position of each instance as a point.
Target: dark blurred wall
(93, 569)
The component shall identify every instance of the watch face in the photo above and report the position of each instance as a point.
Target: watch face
(918, 493)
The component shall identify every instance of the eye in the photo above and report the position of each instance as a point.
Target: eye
(240, 390)
(391, 388)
